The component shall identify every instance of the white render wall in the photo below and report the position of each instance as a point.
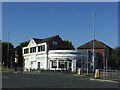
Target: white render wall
(34, 57)
(52, 55)
(42, 59)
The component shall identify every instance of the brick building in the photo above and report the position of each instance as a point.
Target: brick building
(102, 55)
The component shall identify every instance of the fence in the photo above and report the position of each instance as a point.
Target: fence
(110, 74)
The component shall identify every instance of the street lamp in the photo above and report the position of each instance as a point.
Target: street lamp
(93, 58)
(87, 60)
(8, 49)
(11, 56)
(82, 66)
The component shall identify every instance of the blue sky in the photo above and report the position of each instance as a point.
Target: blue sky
(72, 21)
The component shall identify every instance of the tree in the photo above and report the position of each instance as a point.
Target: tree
(19, 52)
(69, 45)
(116, 56)
(7, 54)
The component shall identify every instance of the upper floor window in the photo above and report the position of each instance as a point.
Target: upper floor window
(33, 49)
(54, 42)
(26, 51)
(41, 48)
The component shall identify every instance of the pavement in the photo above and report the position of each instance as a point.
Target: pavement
(102, 80)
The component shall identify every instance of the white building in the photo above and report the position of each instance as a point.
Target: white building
(49, 54)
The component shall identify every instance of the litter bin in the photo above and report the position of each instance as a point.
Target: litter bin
(97, 73)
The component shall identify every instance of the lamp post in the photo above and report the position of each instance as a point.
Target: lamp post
(82, 63)
(87, 60)
(8, 49)
(11, 56)
(93, 58)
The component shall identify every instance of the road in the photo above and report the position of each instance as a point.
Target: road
(24, 80)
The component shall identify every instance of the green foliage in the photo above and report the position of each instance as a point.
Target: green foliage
(116, 53)
(7, 56)
(116, 56)
(8, 53)
(23, 44)
(19, 52)
(69, 45)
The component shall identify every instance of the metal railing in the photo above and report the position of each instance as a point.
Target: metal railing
(110, 74)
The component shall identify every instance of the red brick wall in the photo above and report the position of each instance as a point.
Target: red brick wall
(101, 51)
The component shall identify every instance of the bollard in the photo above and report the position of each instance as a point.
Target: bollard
(79, 71)
(97, 73)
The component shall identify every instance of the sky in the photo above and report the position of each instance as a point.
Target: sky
(71, 20)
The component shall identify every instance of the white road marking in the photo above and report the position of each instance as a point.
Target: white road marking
(5, 77)
(104, 80)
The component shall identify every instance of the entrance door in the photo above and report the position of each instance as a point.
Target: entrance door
(70, 66)
(38, 65)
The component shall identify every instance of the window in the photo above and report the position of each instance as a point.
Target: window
(30, 50)
(54, 64)
(91, 67)
(33, 49)
(62, 64)
(41, 48)
(54, 42)
(26, 51)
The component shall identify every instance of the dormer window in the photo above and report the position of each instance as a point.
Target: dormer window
(54, 42)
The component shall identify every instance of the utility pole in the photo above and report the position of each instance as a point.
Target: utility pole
(93, 41)
(87, 60)
(11, 57)
(106, 67)
(8, 49)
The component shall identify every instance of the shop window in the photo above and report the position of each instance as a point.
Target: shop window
(54, 64)
(63, 64)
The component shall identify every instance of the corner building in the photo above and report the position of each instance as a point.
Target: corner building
(49, 54)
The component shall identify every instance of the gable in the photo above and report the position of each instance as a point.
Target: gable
(37, 41)
(32, 43)
(90, 45)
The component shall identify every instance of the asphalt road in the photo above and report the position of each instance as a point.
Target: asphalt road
(18, 80)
